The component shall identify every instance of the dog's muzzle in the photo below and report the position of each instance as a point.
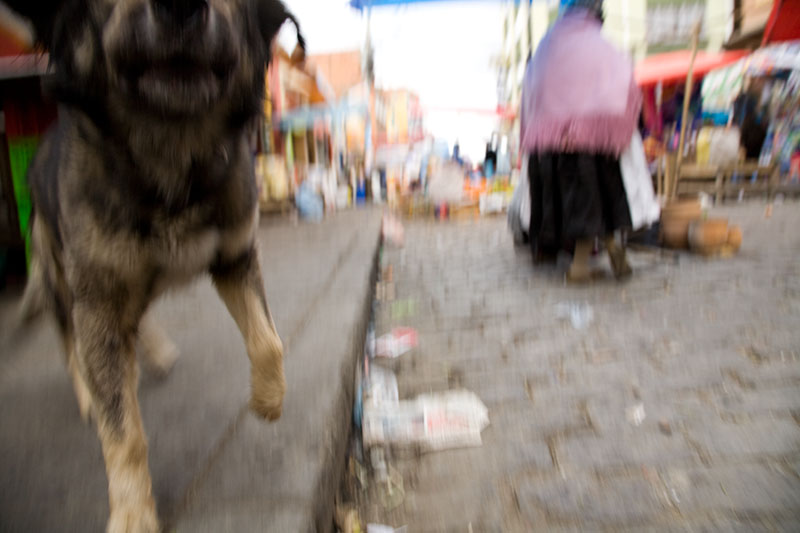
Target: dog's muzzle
(181, 15)
(175, 57)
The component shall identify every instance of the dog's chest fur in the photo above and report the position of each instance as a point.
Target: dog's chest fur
(141, 216)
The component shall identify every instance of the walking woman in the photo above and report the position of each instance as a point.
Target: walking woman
(580, 105)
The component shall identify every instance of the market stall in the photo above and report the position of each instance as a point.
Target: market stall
(672, 118)
(759, 95)
(24, 117)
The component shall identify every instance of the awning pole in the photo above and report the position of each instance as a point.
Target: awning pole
(687, 96)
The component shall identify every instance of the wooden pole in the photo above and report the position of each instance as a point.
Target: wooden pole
(687, 96)
(669, 163)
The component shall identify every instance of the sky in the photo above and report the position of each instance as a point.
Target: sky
(441, 51)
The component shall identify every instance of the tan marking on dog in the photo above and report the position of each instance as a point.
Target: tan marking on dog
(84, 52)
(119, 425)
(238, 240)
(132, 507)
(180, 252)
(82, 393)
(160, 353)
(264, 348)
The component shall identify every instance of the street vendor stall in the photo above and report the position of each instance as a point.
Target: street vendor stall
(671, 108)
(24, 117)
(759, 94)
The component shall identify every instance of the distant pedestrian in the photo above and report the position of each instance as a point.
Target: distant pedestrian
(580, 106)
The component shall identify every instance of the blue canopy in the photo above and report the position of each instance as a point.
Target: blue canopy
(361, 4)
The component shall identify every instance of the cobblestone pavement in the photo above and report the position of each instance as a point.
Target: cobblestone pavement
(708, 350)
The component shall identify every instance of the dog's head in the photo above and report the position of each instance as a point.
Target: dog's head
(170, 58)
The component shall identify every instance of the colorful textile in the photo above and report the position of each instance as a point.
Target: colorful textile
(579, 93)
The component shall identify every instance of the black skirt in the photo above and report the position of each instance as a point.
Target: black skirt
(574, 196)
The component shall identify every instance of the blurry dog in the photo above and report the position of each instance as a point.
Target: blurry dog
(145, 182)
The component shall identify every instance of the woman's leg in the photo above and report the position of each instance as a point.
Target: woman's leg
(579, 269)
(617, 256)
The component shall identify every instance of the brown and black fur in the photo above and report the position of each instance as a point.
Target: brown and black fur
(145, 182)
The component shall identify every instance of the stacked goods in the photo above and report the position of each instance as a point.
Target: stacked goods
(714, 237)
(675, 220)
(26, 121)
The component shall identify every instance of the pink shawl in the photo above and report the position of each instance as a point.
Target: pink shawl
(579, 92)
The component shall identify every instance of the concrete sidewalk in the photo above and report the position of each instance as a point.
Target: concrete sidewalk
(676, 409)
(215, 467)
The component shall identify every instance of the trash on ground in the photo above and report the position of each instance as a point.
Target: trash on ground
(380, 528)
(346, 519)
(392, 231)
(388, 273)
(384, 291)
(396, 343)
(388, 480)
(404, 308)
(391, 493)
(359, 472)
(452, 419)
(369, 343)
(665, 428)
(635, 414)
(382, 387)
(580, 315)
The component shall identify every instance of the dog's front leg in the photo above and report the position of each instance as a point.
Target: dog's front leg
(240, 286)
(105, 347)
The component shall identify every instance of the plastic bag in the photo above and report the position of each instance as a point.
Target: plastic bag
(309, 204)
(396, 343)
(642, 202)
(519, 210)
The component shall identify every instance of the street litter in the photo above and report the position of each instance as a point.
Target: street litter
(380, 528)
(580, 315)
(396, 343)
(404, 308)
(381, 387)
(392, 231)
(388, 273)
(369, 342)
(384, 291)
(452, 419)
(347, 519)
(635, 414)
(391, 493)
(388, 480)
(359, 473)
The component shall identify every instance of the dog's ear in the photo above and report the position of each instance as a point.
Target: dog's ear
(42, 14)
(271, 16)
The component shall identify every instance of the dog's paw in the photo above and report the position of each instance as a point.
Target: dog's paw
(160, 359)
(132, 519)
(266, 399)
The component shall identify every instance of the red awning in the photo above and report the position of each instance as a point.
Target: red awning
(672, 67)
(783, 23)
